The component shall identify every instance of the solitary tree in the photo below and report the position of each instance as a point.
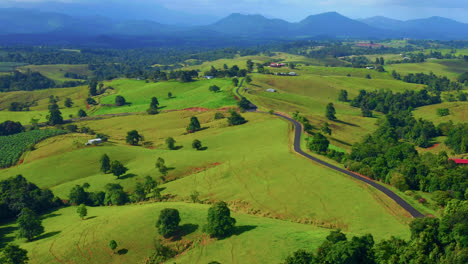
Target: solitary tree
(160, 164)
(235, 119)
(248, 79)
(12, 254)
(196, 144)
(68, 102)
(82, 113)
(235, 81)
(214, 88)
(168, 222)
(153, 109)
(244, 104)
(55, 116)
(105, 163)
(170, 142)
(169, 95)
(220, 223)
(343, 97)
(120, 100)
(326, 129)
(330, 113)
(194, 125)
(118, 169)
(113, 245)
(133, 137)
(29, 224)
(250, 65)
(82, 211)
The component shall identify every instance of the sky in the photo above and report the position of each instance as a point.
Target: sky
(290, 10)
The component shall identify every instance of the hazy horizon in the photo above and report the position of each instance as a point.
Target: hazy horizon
(199, 12)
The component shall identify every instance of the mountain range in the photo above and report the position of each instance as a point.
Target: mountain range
(30, 24)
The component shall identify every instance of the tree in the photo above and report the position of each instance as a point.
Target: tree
(55, 116)
(300, 257)
(194, 125)
(330, 112)
(250, 65)
(105, 163)
(82, 211)
(168, 222)
(235, 119)
(160, 164)
(169, 95)
(10, 128)
(220, 223)
(319, 143)
(235, 81)
(154, 105)
(214, 88)
(443, 111)
(368, 76)
(196, 144)
(244, 104)
(248, 79)
(118, 169)
(115, 195)
(326, 129)
(170, 142)
(93, 88)
(12, 254)
(112, 245)
(68, 102)
(82, 113)
(133, 137)
(120, 100)
(78, 195)
(343, 97)
(29, 224)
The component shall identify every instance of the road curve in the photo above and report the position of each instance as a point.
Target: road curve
(297, 148)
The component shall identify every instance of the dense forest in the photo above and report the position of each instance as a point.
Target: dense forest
(29, 81)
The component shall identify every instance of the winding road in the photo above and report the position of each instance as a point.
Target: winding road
(297, 148)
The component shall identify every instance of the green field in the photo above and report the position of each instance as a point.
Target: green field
(68, 239)
(250, 163)
(450, 68)
(9, 66)
(185, 95)
(77, 94)
(310, 93)
(458, 112)
(56, 72)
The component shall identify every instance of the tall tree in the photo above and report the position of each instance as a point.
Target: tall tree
(29, 224)
(343, 96)
(250, 65)
(55, 116)
(93, 88)
(330, 112)
(170, 142)
(168, 222)
(105, 163)
(82, 211)
(194, 125)
(235, 81)
(326, 129)
(12, 254)
(220, 223)
(154, 105)
(133, 137)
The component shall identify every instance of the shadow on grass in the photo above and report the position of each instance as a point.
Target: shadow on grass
(346, 123)
(46, 235)
(177, 147)
(185, 230)
(91, 217)
(341, 141)
(202, 149)
(127, 176)
(5, 231)
(49, 216)
(122, 251)
(241, 229)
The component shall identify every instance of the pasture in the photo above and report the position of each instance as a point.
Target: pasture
(250, 166)
(450, 68)
(56, 72)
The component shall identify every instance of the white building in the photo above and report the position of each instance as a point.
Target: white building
(271, 90)
(94, 141)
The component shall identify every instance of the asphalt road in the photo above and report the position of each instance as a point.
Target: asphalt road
(297, 148)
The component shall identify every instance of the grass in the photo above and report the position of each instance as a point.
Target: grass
(56, 72)
(185, 95)
(77, 94)
(458, 112)
(450, 68)
(69, 239)
(310, 93)
(250, 163)
(9, 66)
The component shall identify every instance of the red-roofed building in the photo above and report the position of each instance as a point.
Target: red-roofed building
(460, 161)
(277, 65)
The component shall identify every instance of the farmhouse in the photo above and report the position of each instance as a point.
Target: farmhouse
(460, 161)
(277, 65)
(292, 74)
(271, 90)
(94, 141)
(209, 77)
(370, 68)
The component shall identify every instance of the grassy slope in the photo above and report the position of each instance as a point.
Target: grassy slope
(458, 112)
(71, 240)
(77, 94)
(450, 68)
(185, 95)
(310, 92)
(255, 166)
(57, 71)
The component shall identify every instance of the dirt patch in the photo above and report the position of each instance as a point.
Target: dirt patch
(434, 146)
(196, 109)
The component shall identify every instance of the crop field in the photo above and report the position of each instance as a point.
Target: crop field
(77, 94)
(251, 163)
(450, 68)
(56, 72)
(12, 147)
(69, 239)
(184, 95)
